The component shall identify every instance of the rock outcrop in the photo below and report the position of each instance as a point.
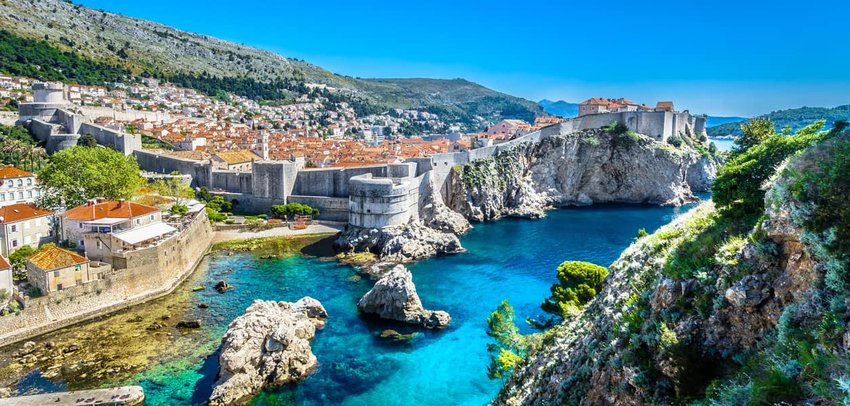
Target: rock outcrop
(405, 243)
(269, 345)
(581, 168)
(394, 297)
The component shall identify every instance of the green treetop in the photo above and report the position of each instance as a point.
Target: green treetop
(77, 174)
(578, 283)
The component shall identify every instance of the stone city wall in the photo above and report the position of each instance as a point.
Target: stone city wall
(95, 112)
(137, 276)
(331, 182)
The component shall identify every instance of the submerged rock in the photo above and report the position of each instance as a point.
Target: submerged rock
(222, 286)
(268, 345)
(393, 335)
(189, 324)
(394, 297)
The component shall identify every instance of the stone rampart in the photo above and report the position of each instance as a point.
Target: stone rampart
(137, 276)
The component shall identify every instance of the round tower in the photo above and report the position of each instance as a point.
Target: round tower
(53, 93)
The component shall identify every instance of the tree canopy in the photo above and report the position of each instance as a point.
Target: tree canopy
(508, 346)
(577, 284)
(77, 174)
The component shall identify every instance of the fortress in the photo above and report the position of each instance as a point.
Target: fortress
(367, 197)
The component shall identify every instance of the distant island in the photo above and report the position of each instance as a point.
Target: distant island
(792, 118)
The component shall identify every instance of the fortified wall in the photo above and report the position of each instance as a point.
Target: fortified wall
(52, 120)
(137, 276)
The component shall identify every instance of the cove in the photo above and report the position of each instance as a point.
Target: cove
(512, 259)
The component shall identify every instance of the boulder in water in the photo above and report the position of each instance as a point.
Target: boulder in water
(268, 345)
(394, 297)
(222, 286)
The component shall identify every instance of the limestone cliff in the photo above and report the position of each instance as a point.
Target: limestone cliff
(581, 168)
(762, 319)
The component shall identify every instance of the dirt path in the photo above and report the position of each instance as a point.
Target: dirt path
(232, 235)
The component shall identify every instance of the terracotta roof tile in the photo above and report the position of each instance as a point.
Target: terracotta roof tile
(52, 257)
(237, 157)
(4, 264)
(112, 209)
(9, 171)
(21, 211)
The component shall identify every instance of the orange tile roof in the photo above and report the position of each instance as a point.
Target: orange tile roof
(9, 171)
(4, 264)
(21, 211)
(112, 209)
(52, 257)
(237, 157)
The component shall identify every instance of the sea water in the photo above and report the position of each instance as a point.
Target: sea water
(513, 259)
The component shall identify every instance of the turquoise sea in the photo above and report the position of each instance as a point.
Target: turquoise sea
(512, 259)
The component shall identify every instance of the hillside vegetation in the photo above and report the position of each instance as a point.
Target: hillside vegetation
(794, 119)
(144, 48)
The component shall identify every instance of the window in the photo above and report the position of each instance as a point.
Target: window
(14, 243)
(138, 221)
(14, 228)
(78, 268)
(37, 193)
(82, 243)
(151, 217)
(11, 183)
(29, 193)
(20, 182)
(2, 197)
(11, 196)
(59, 287)
(98, 247)
(55, 274)
(81, 225)
(20, 195)
(29, 181)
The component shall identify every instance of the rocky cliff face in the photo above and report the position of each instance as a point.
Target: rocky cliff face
(580, 168)
(394, 297)
(764, 319)
(269, 345)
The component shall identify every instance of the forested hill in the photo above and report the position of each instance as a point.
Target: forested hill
(794, 118)
(142, 47)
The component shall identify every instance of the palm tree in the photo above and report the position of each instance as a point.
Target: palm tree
(37, 155)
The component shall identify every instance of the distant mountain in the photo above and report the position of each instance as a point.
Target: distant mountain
(714, 121)
(794, 118)
(559, 108)
(147, 48)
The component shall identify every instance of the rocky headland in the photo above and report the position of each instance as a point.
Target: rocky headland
(725, 305)
(269, 345)
(576, 169)
(394, 297)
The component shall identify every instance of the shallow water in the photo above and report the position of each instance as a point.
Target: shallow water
(512, 259)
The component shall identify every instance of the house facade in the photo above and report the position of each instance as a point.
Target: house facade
(104, 229)
(240, 160)
(17, 186)
(24, 224)
(53, 269)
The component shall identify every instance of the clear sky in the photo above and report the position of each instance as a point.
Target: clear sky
(718, 57)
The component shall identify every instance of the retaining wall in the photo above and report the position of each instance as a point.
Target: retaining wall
(147, 274)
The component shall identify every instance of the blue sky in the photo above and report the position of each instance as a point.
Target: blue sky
(718, 57)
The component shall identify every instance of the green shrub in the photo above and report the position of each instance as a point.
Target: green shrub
(34, 292)
(215, 216)
(297, 209)
(18, 259)
(675, 141)
(179, 209)
(578, 283)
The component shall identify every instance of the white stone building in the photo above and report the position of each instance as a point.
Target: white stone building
(17, 186)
